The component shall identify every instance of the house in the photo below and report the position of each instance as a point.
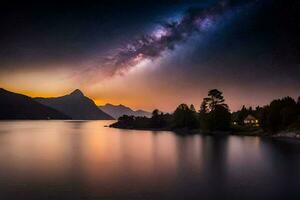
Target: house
(251, 120)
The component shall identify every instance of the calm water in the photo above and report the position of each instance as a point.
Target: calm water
(85, 160)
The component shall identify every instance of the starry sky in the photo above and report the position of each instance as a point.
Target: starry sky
(153, 54)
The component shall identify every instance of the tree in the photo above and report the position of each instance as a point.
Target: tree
(215, 98)
(298, 107)
(203, 107)
(185, 117)
(157, 119)
(219, 119)
(242, 114)
(214, 113)
(192, 108)
(126, 118)
(279, 115)
(155, 113)
(288, 112)
(125, 121)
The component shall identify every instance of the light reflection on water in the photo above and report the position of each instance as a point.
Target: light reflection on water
(84, 159)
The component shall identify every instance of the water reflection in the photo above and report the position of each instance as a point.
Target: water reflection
(84, 159)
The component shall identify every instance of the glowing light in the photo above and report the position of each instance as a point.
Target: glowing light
(159, 33)
(206, 23)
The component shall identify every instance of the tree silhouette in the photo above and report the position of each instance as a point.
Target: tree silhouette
(185, 117)
(192, 108)
(279, 115)
(203, 107)
(215, 98)
(157, 119)
(214, 113)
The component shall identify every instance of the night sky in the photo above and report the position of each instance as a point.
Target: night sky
(153, 54)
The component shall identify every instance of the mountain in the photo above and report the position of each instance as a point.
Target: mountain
(117, 111)
(75, 105)
(18, 106)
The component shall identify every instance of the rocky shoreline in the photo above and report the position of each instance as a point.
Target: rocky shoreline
(287, 134)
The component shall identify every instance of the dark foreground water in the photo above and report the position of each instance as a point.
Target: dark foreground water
(85, 160)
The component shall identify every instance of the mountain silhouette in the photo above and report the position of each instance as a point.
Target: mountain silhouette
(77, 92)
(75, 105)
(117, 111)
(18, 106)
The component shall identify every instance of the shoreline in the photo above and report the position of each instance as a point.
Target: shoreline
(258, 133)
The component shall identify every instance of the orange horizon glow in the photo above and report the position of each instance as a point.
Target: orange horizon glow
(135, 105)
(141, 88)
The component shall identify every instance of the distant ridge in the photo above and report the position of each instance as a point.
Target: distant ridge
(76, 105)
(18, 106)
(117, 111)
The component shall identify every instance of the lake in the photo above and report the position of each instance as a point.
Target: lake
(85, 160)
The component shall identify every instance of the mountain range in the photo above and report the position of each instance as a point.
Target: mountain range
(117, 111)
(76, 105)
(18, 106)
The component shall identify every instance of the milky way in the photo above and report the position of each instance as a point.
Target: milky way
(165, 37)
